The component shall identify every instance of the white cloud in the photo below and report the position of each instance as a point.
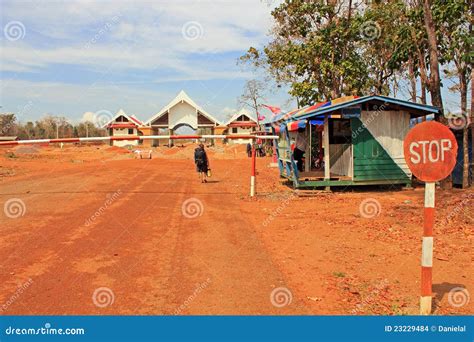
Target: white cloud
(73, 100)
(127, 34)
(88, 116)
(130, 47)
(228, 112)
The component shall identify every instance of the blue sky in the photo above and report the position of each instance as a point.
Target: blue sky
(68, 58)
(74, 57)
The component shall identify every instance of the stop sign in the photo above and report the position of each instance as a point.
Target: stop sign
(430, 151)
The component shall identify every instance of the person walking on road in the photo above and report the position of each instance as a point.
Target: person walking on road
(202, 162)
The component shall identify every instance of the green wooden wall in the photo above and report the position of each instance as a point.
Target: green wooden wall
(371, 161)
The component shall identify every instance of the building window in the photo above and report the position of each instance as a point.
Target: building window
(130, 131)
(234, 129)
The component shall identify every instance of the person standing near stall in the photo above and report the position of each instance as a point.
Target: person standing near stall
(300, 148)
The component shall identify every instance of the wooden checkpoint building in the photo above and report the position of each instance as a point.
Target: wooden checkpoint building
(351, 141)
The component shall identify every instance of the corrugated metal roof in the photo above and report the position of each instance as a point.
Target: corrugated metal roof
(363, 99)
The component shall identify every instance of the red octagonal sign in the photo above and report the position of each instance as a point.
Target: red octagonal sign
(430, 151)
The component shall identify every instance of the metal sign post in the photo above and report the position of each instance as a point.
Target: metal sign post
(430, 150)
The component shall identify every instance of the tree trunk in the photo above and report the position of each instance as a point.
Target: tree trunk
(465, 130)
(472, 121)
(255, 106)
(411, 75)
(472, 96)
(423, 92)
(423, 72)
(434, 80)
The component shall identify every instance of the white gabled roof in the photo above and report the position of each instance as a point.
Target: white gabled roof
(242, 111)
(121, 112)
(181, 97)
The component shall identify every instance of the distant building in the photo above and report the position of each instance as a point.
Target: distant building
(123, 125)
(241, 122)
(181, 111)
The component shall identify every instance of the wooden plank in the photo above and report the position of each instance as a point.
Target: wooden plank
(307, 164)
(327, 183)
(327, 157)
(369, 161)
(385, 178)
(360, 169)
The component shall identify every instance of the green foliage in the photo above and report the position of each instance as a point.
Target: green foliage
(46, 127)
(7, 124)
(323, 49)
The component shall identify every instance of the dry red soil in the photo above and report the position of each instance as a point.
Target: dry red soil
(161, 242)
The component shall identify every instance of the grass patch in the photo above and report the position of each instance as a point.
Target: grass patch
(339, 274)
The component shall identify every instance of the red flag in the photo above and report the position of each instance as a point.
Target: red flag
(275, 110)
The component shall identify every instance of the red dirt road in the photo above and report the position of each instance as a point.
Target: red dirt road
(160, 242)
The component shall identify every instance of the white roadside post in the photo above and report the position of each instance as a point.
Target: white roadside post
(253, 172)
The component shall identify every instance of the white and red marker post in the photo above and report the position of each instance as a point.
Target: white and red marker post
(430, 150)
(253, 172)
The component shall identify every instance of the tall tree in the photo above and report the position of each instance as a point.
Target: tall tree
(434, 83)
(452, 17)
(382, 41)
(471, 62)
(252, 97)
(314, 50)
(8, 124)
